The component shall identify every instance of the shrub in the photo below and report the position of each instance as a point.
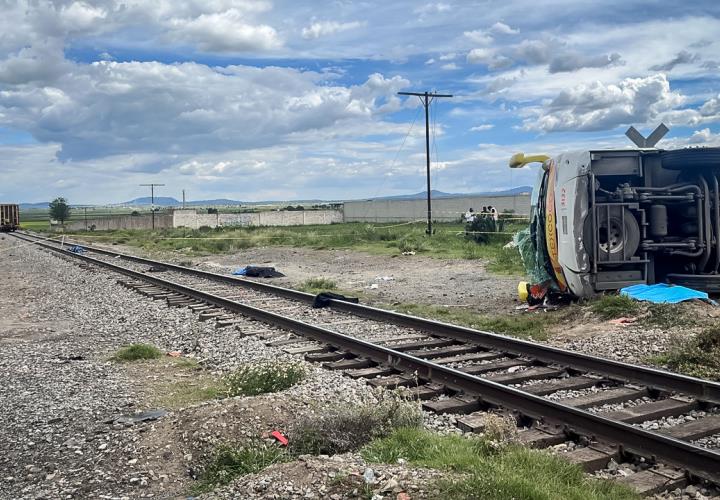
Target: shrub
(411, 243)
(229, 462)
(134, 352)
(614, 306)
(317, 284)
(344, 429)
(698, 357)
(261, 378)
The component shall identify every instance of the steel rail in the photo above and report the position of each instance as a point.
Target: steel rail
(700, 461)
(704, 390)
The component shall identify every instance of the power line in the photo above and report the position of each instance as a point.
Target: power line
(426, 98)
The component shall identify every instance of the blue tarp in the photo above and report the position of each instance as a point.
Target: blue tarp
(662, 293)
(241, 272)
(76, 249)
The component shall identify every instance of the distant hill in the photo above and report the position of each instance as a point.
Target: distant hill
(41, 204)
(168, 201)
(440, 194)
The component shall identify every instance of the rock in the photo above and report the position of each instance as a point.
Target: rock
(369, 476)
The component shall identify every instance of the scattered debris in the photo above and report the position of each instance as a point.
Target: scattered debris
(409, 252)
(280, 437)
(137, 418)
(323, 299)
(258, 272)
(174, 354)
(623, 320)
(76, 249)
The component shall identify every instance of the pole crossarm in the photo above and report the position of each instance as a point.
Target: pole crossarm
(426, 98)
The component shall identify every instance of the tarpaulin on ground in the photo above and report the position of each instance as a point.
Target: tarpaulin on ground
(258, 272)
(662, 293)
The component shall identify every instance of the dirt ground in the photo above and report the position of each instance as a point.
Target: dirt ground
(412, 279)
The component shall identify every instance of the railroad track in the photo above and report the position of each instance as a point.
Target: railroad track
(555, 395)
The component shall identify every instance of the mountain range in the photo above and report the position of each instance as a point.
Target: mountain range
(168, 201)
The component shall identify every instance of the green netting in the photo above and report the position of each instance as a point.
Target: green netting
(534, 256)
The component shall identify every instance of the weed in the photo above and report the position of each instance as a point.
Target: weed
(697, 357)
(666, 315)
(344, 429)
(135, 352)
(411, 243)
(316, 285)
(491, 472)
(614, 306)
(264, 377)
(519, 325)
(229, 462)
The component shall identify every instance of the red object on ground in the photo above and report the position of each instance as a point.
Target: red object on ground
(174, 354)
(278, 435)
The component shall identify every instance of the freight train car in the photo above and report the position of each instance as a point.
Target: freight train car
(9, 217)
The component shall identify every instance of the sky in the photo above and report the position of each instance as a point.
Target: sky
(281, 100)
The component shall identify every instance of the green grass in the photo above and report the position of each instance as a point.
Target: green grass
(697, 357)
(136, 352)
(486, 471)
(231, 461)
(35, 225)
(523, 325)
(384, 239)
(317, 285)
(260, 378)
(615, 306)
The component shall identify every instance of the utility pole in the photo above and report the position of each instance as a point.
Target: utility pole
(152, 201)
(85, 211)
(183, 199)
(426, 98)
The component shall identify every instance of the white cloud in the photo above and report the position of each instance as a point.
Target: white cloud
(503, 29)
(598, 106)
(450, 66)
(325, 28)
(111, 108)
(432, 8)
(489, 58)
(478, 37)
(226, 31)
(482, 128)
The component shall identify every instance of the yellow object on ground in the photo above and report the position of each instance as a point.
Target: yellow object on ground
(523, 291)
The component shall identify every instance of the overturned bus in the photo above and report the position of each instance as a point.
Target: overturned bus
(606, 219)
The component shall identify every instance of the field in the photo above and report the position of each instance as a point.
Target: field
(448, 242)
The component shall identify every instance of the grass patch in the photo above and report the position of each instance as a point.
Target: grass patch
(229, 462)
(667, 315)
(344, 429)
(697, 357)
(187, 392)
(261, 378)
(492, 472)
(525, 325)
(614, 306)
(317, 285)
(136, 352)
(448, 242)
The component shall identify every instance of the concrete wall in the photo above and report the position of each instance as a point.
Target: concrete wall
(443, 209)
(193, 220)
(122, 222)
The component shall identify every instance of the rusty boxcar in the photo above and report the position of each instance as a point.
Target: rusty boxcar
(9, 217)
